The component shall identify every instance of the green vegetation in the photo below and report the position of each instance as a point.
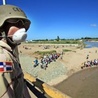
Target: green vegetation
(55, 41)
(58, 40)
(89, 39)
(80, 41)
(66, 50)
(42, 53)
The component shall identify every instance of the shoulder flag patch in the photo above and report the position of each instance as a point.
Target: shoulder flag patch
(6, 66)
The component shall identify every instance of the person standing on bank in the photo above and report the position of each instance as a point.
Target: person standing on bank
(13, 27)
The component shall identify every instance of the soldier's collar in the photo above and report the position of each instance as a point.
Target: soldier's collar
(3, 44)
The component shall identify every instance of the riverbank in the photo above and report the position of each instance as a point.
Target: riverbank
(62, 68)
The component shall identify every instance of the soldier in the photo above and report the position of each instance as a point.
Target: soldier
(13, 27)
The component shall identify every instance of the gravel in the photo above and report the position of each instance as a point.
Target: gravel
(54, 70)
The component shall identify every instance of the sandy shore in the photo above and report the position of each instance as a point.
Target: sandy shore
(65, 74)
(72, 60)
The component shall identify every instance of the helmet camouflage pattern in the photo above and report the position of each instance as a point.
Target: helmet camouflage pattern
(10, 11)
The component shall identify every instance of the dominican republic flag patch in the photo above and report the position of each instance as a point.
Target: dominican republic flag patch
(6, 66)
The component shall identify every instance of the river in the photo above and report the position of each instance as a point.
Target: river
(91, 44)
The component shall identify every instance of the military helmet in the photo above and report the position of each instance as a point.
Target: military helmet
(10, 12)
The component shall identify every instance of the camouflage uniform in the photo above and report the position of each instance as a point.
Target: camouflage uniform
(12, 82)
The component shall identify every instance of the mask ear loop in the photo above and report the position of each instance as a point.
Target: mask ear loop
(12, 42)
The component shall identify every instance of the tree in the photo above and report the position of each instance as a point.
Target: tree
(58, 38)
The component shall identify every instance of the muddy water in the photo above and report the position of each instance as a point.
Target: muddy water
(83, 84)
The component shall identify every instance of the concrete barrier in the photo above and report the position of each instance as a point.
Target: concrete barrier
(45, 88)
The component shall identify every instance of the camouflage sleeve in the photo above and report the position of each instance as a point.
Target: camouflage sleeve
(5, 69)
(5, 61)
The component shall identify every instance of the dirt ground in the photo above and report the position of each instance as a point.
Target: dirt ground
(73, 60)
(76, 79)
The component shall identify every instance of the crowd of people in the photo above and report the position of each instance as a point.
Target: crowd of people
(90, 63)
(46, 59)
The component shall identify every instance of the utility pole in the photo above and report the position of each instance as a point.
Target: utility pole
(4, 2)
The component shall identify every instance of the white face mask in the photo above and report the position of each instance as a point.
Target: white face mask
(19, 36)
